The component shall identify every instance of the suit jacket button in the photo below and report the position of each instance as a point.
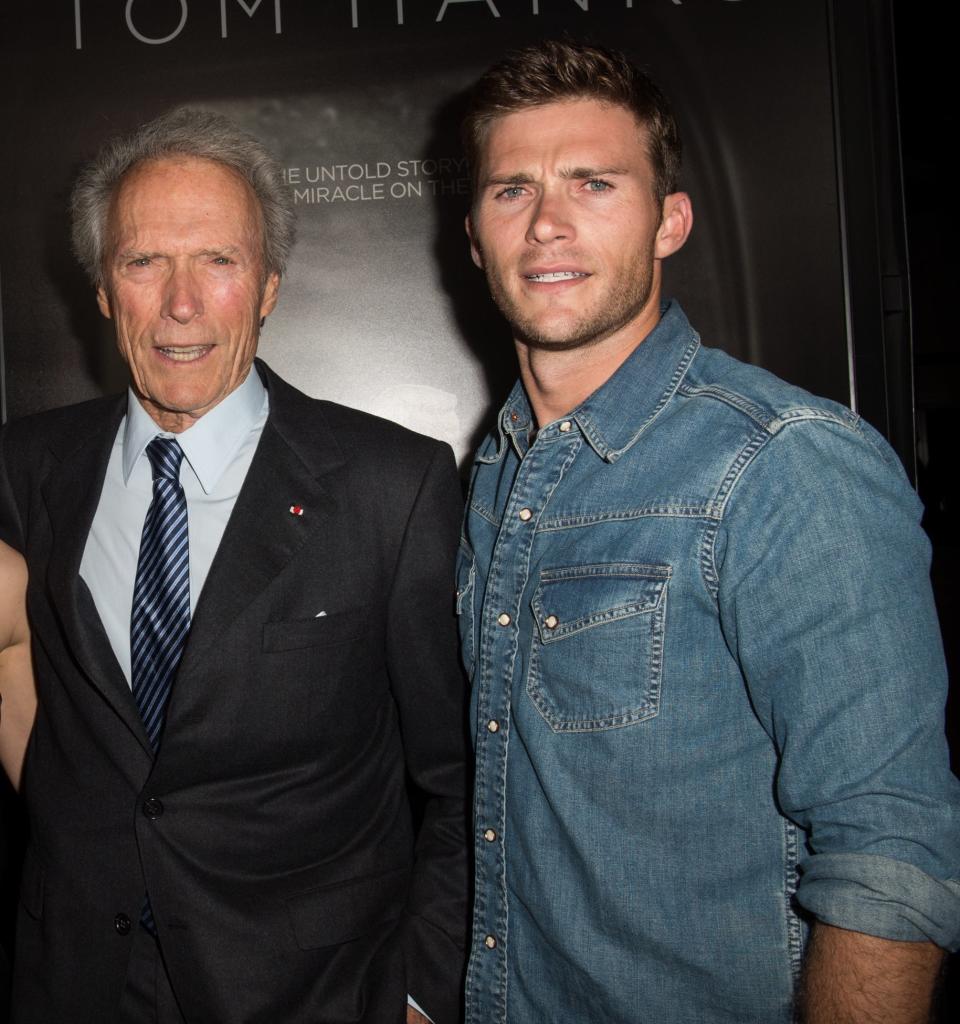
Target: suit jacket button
(122, 923)
(152, 808)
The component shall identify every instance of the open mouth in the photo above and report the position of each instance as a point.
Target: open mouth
(558, 275)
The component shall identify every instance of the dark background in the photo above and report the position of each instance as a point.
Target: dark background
(798, 259)
(928, 118)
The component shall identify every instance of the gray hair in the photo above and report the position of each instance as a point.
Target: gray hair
(178, 133)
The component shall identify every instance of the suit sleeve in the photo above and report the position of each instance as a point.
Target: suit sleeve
(430, 691)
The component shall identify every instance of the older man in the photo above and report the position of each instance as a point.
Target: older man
(244, 643)
(708, 681)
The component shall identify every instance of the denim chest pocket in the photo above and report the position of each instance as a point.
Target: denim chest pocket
(596, 656)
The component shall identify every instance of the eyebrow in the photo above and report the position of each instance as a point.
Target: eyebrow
(520, 178)
(139, 254)
(122, 255)
(578, 173)
(567, 173)
(220, 250)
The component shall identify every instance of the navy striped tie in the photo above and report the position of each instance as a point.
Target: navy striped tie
(160, 617)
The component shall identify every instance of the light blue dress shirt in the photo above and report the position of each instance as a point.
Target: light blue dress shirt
(218, 450)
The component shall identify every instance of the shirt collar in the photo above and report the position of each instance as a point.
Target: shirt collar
(208, 445)
(620, 410)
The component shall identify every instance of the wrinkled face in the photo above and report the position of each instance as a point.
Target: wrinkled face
(184, 285)
(565, 223)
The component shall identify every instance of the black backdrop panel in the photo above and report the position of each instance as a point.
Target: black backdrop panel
(382, 307)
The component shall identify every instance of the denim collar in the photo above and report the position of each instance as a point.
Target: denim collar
(620, 410)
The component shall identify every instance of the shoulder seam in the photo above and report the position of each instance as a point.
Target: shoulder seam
(770, 422)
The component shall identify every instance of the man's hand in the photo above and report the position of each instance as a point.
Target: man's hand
(415, 1016)
(852, 978)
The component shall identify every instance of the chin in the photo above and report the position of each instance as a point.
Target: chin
(560, 338)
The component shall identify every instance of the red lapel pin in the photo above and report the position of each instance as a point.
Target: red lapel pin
(296, 510)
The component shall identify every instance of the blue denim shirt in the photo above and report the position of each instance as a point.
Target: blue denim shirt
(707, 697)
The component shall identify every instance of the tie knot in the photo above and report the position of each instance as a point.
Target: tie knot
(165, 456)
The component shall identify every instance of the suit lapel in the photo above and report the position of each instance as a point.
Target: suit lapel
(71, 493)
(263, 535)
(295, 454)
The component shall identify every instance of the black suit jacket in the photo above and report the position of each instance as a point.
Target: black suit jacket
(285, 874)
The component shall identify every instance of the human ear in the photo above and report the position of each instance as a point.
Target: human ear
(271, 291)
(676, 222)
(475, 253)
(103, 302)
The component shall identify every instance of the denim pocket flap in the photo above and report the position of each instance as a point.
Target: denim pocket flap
(607, 672)
(320, 631)
(580, 597)
(334, 914)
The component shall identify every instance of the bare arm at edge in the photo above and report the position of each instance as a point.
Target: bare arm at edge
(852, 978)
(18, 697)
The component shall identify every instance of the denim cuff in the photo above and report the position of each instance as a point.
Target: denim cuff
(880, 896)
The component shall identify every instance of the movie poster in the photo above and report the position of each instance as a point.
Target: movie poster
(382, 307)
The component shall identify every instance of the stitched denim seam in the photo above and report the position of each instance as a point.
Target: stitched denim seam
(484, 512)
(708, 563)
(671, 389)
(566, 522)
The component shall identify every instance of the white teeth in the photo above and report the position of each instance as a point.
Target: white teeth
(185, 355)
(560, 275)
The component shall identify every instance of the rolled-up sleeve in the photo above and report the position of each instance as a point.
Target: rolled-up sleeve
(883, 897)
(826, 601)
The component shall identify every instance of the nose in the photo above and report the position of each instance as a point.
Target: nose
(551, 220)
(182, 299)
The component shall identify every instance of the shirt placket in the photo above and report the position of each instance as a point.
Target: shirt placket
(502, 624)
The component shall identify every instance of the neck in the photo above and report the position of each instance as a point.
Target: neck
(557, 381)
(166, 419)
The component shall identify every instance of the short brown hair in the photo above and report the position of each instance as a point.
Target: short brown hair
(556, 70)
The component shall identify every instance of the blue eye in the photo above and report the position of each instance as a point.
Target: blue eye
(511, 192)
(598, 185)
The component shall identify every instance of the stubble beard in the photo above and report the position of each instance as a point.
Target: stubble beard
(627, 298)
